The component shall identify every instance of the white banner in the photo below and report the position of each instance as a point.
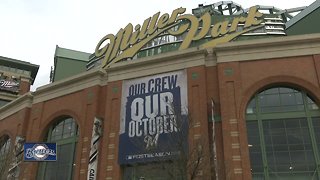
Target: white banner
(94, 150)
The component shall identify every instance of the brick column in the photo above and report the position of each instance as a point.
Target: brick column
(109, 168)
(234, 135)
(25, 84)
(198, 119)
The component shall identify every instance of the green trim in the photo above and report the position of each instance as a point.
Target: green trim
(312, 135)
(282, 115)
(314, 113)
(115, 89)
(217, 118)
(228, 71)
(194, 75)
(262, 143)
(251, 117)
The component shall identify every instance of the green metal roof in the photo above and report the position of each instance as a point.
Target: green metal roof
(68, 62)
(308, 10)
(71, 54)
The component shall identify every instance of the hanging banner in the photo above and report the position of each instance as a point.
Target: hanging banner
(94, 150)
(153, 118)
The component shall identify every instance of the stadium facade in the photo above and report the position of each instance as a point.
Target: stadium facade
(224, 93)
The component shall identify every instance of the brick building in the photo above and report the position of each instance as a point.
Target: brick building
(260, 95)
(16, 77)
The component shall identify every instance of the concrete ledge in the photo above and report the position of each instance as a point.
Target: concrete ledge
(24, 101)
(161, 63)
(70, 85)
(280, 47)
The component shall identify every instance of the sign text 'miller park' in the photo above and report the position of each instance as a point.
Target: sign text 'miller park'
(127, 42)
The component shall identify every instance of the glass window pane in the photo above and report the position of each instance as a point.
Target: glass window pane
(311, 104)
(287, 99)
(251, 107)
(64, 129)
(316, 126)
(299, 99)
(290, 148)
(271, 91)
(269, 100)
(280, 100)
(67, 130)
(57, 132)
(254, 147)
(257, 176)
(286, 90)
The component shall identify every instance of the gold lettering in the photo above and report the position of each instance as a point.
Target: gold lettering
(206, 24)
(100, 52)
(228, 37)
(181, 28)
(106, 50)
(126, 37)
(235, 23)
(136, 47)
(143, 32)
(134, 37)
(252, 17)
(175, 14)
(193, 27)
(127, 43)
(163, 21)
(221, 28)
(152, 26)
(117, 44)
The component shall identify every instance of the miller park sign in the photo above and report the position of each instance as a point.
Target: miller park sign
(129, 41)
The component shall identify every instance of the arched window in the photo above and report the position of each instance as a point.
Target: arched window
(283, 135)
(64, 132)
(5, 158)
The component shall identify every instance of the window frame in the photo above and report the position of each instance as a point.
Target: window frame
(261, 117)
(42, 169)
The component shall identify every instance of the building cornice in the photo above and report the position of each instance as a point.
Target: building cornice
(280, 47)
(70, 85)
(18, 104)
(54, 90)
(161, 63)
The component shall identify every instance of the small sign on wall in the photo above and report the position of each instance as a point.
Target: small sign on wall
(9, 85)
(40, 152)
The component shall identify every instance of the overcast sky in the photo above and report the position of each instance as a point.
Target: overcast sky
(30, 29)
